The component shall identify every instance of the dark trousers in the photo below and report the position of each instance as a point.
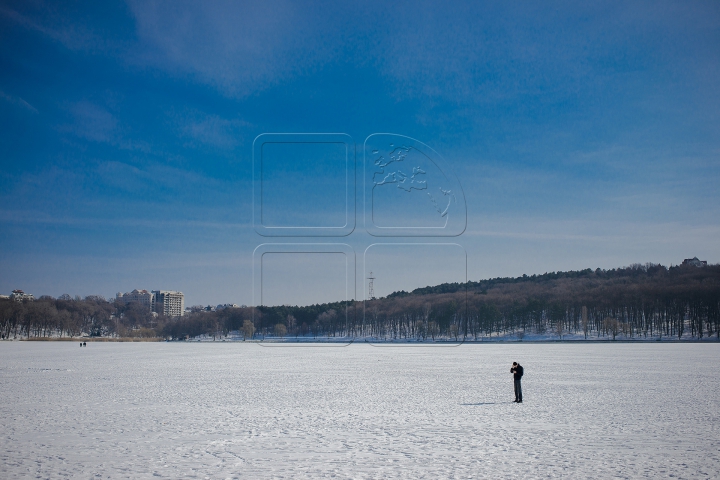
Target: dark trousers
(518, 390)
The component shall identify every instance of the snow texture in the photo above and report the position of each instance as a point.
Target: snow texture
(234, 410)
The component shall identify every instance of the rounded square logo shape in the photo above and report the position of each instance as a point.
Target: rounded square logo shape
(301, 274)
(408, 190)
(304, 184)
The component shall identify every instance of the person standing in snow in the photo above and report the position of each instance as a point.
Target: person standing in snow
(517, 371)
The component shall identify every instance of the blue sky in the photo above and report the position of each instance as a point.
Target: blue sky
(583, 135)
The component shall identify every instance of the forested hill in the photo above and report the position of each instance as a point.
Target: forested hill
(636, 273)
(640, 301)
(637, 301)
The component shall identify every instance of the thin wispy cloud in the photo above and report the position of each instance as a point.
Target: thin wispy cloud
(61, 24)
(240, 48)
(91, 122)
(202, 129)
(34, 217)
(17, 101)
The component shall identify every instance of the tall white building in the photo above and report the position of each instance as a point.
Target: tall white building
(169, 303)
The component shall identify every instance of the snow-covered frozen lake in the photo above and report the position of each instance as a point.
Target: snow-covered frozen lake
(234, 410)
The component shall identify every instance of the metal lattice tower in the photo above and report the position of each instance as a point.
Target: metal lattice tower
(371, 292)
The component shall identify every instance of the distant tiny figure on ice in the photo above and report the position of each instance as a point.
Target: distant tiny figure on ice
(517, 371)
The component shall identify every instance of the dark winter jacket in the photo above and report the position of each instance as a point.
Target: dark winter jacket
(517, 372)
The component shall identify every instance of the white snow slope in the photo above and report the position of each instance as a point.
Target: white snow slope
(234, 410)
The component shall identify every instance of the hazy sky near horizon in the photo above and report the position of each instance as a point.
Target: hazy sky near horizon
(583, 135)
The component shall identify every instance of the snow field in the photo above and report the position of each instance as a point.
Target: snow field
(237, 410)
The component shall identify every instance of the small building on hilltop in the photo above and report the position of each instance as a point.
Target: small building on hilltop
(19, 296)
(142, 297)
(226, 305)
(694, 262)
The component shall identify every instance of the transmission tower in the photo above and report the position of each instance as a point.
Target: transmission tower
(371, 292)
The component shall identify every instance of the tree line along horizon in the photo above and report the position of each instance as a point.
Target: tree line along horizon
(630, 302)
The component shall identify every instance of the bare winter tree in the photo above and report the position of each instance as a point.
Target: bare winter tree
(559, 328)
(280, 330)
(612, 326)
(248, 329)
(433, 330)
(291, 323)
(454, 331)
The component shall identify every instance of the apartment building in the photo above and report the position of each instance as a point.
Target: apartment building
(169, 303)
